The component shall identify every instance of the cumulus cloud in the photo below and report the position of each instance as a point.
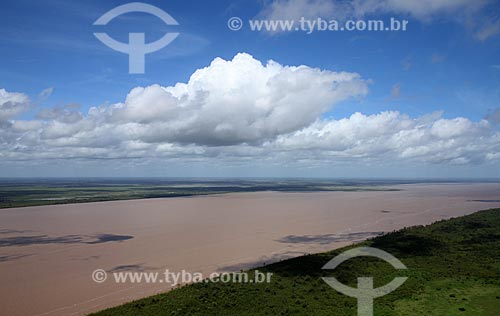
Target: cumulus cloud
(233, 102)
(65, 114)
(12, 104)
(241, 111)
(394, 136)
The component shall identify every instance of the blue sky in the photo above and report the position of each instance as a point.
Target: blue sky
(440, 64)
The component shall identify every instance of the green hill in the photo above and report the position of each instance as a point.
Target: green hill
(453, 269)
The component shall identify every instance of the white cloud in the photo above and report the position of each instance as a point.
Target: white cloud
(295, 9)
(474, 15)
(487, 29)
(392, 136)
(12, 104)
(241, 112)
(232, 102)
(46, 93)
(66, 114)
(422, 9)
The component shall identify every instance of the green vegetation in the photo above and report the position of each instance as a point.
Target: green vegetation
(19, 193)
(453, 269)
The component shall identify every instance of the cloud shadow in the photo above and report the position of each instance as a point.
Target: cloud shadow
(68, 239)
(328, 238)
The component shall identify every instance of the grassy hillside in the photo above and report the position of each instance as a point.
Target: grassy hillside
(453, 269)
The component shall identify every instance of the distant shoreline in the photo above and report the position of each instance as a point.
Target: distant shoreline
(16, 193)
(40, 192)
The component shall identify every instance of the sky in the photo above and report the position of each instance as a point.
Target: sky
(424, 102)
